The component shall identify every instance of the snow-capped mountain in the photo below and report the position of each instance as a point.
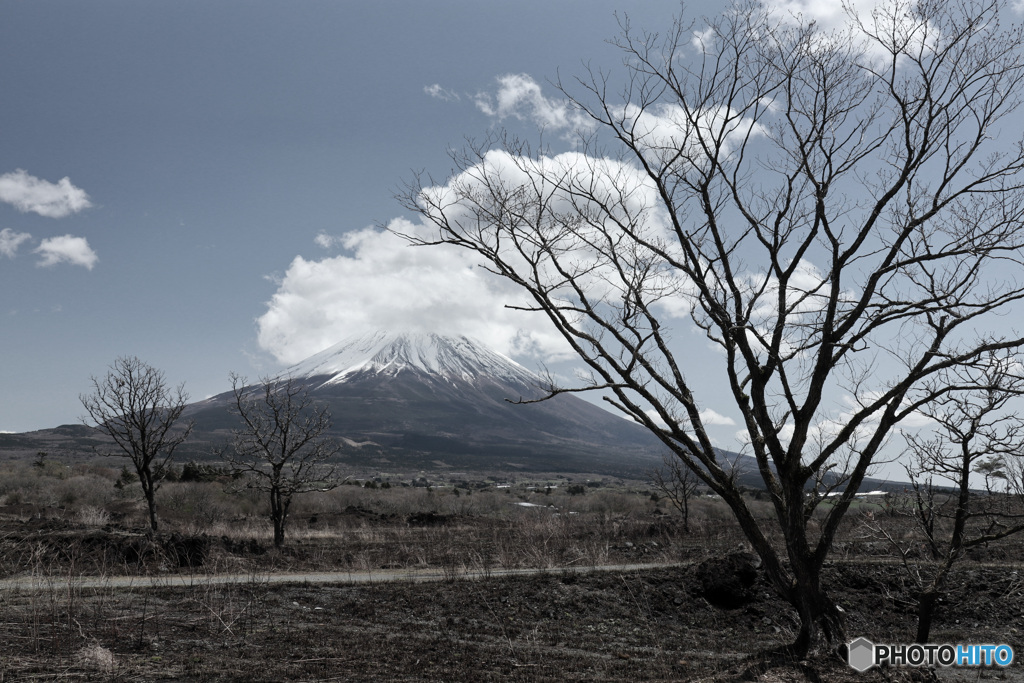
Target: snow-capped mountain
(391, 353)
(402, 400)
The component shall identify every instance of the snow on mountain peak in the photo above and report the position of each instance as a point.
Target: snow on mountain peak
(450, 357)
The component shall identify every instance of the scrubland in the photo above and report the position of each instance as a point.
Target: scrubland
(67, 531)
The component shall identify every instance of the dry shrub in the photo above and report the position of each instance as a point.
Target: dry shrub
(314, 503)
(92, 516)
(198, 506)
(96, 657)
(52, 484)
(82, 490)
(20, 484)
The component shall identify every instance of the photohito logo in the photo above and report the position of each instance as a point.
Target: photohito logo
(863, 654)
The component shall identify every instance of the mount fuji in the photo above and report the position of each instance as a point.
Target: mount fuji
(401, 399)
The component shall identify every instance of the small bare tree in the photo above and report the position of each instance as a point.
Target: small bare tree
(282, 449)
(134, 405)
(679, 484)
(976, 434)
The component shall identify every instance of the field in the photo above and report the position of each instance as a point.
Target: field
(87, 596)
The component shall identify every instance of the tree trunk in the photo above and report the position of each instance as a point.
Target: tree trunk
(928, 598)
(152, 513)
(821, 622)
(686, 513)
(150, 494)
(800, 584)
(279, 514)
(926, 603)
(278, 533)
(275, 517)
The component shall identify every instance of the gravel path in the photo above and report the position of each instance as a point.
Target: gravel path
(28, 583)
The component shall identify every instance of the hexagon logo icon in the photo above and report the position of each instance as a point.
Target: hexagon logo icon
(861, 654)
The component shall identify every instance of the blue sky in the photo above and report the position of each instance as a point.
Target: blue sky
(205, 145)
(202, 183)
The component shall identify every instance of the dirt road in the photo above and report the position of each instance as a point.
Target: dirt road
(43, 582)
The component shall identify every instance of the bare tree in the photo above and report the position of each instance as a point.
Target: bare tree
(834, 211)
(679, 484)
(977, 434)
(138, 410)
(282, 449)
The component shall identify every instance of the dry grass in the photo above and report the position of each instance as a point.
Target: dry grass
(66, 523)
(455, 525)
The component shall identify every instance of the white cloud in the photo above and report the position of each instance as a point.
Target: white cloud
(443, 94)
(66, 249)
(30, 194)
(608, 193)
(520, 97)
(668, 134)
(901, 23)
(384, 283)
(828, 14)
(703, 38)
(710, 417)
(326, 241)
(10, 241)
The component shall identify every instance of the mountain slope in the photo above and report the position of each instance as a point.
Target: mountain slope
(423, 400)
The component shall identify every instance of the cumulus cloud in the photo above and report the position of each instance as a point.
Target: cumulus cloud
(520, 97)
(383, 283)
(66, 249)
(667, 134)
(10, 241)
(443, 94)
(607, 193)
(30, 194)
(901, 23)
(380, 282)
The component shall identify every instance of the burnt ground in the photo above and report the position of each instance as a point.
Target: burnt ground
(654, 624)
(646, 625)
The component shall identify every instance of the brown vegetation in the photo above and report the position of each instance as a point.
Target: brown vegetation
(59, 524)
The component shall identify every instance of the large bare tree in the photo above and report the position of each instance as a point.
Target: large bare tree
(134, 405)
(840, 213)
(282, 448)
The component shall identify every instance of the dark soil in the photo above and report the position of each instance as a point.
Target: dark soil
(655, 624)
(650, 625)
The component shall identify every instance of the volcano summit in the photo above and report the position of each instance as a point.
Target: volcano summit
(429, 355)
